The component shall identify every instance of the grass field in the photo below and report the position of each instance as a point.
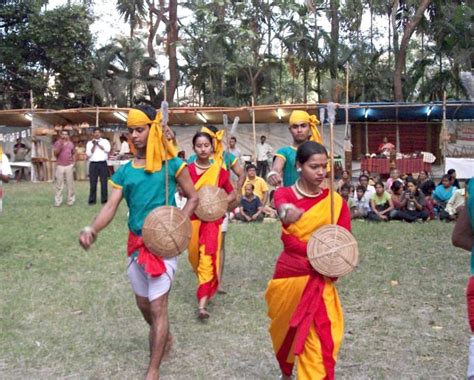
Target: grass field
(67, 313)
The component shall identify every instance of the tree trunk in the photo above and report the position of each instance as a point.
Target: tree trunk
(172, 40)
(395, 6)
(371, 29)
(334, 10)
(269, 50)
(305, 85)
(389, 39)
(316, 49)
(400, 59)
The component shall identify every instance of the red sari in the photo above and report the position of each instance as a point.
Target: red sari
(307, 324)
(205, 242)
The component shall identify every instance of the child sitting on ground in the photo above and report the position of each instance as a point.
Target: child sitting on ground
(360, 204)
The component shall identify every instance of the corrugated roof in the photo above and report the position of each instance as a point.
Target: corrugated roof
(359, 112)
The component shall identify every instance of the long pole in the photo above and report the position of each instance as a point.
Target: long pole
(443, 151)
(347, 137)
(332, 118)
(33, 153)
(254, 131)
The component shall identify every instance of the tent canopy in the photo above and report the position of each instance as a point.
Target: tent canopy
(358, 112)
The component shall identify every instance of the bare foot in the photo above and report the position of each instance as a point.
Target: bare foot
(203, 314)
(221, 291)
(152, 375)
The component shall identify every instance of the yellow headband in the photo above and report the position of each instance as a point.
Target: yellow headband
(303, 117)
(216, 144)
(158, 148)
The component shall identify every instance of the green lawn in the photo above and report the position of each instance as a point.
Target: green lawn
(69, 313)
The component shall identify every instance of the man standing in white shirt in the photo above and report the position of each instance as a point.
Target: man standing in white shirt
(5, 173)
(264, 153)
(98, 151)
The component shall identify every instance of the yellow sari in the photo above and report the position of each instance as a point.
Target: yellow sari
(205, 242)
(307, 323)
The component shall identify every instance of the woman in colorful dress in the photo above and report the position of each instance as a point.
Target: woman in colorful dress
(205, 243)
(306, 316)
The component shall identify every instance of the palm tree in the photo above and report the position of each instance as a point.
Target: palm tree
(132, 11)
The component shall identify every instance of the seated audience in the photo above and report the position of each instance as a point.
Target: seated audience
(380, 204)
(456, 202)
(251, 208)
(441, 195)
(344, 191)
(269, 210)
(427, 188)
(360, 204)
(369, 189)
(259, 184)
(371, 178)
(412, 204)
(397, 190)
(352, 191)
(422, 178)
(394, 176)
(455, 182)
(345, 178)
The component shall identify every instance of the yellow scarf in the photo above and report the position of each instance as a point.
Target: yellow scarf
(1, 152)
(317, 216)
(158, 148)
(216, 144)
(303, 117)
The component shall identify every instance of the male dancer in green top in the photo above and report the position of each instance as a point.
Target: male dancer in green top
(302, 128)
(142, 183)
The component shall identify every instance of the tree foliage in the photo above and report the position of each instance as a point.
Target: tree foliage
(228, 52)
(46, 52)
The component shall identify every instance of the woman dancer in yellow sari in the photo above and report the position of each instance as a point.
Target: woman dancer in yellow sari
(306, 316)
(205, 242)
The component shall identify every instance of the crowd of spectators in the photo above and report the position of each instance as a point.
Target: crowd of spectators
(404, 197)
(409, 198)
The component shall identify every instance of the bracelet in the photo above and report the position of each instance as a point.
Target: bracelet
(89, 230)
(271, 173)
(284, 208)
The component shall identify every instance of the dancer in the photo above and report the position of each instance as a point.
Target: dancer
(205, 243)
(463, 237)
(306, 316)
(142, 183)
(229, 163)
(303, 127)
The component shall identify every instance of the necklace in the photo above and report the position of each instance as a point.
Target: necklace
(202, 167)
(305, 194)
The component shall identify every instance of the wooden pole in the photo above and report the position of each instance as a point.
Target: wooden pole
(165, 139)
(332, 118)
(33, 170)
(366, 137)
(347, 144)
(254, 131)
(443, 151)
(398, 131)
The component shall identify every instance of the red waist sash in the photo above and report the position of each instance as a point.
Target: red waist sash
(152, 264)
(293, 262)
